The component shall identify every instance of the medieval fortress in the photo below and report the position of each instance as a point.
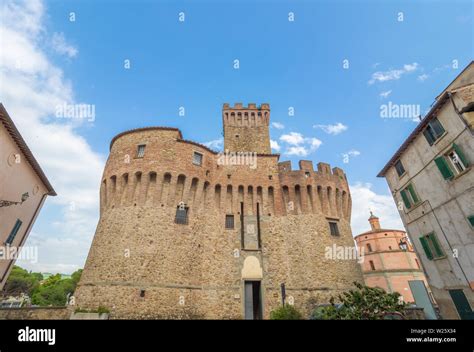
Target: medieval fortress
(185, 232)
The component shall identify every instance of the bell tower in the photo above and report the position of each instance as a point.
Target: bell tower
(246, 128)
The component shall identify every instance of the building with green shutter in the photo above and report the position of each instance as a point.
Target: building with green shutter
(431, 178)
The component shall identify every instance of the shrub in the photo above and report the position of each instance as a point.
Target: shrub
(286, 312)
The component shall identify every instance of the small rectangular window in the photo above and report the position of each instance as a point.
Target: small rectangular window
(13, 232)
(197, 158)
(399, 167)
(181, 215)
(369, 247)
(334, 228)
(229, 221)
(372, 266)
(456, 162)
(433, 131)
(141, 151)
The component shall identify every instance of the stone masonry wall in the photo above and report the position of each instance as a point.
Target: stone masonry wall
(143, 265)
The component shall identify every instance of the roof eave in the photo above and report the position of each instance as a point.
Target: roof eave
(20, 142)
(442, 99)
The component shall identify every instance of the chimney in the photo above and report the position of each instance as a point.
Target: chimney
(374, 222)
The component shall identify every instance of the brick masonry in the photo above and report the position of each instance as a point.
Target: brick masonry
(143, 265)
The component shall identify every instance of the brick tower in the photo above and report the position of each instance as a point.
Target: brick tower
(246, 128)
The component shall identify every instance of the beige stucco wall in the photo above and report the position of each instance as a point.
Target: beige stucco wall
(445, 205)
(16, 178)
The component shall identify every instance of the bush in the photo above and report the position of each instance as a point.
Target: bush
(361, 303)
(286, 312)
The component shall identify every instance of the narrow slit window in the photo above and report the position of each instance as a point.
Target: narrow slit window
(334, 229)
(229, 221)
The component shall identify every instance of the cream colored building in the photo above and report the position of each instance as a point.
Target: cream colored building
(23, 190)
(432, 182)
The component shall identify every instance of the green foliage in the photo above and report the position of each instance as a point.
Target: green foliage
(76, 276)
(50, 292)
(21, 281)
(362, 303)
(100, 310)
(54, 291)
(286, 312)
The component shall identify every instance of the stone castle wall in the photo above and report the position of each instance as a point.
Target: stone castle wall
(143, 265)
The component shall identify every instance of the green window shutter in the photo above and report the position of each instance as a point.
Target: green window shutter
(434, 240)
(429, 138)
(413, 194)
(14, 231)
(405, 199)
(444, 168)
(460, 154)
(425, 246)
(471, 220)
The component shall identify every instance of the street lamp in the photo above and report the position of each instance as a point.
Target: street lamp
(403, 244)
(7, 203)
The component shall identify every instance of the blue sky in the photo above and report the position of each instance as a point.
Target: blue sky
(190, 64)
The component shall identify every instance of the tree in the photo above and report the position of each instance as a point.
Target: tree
(54, 291)
(76, 276)
(362, 303)
(21, 281)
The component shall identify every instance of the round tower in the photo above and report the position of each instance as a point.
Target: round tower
(388, 259)
(186, 232)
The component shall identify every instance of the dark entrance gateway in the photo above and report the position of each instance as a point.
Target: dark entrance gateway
(253, 300)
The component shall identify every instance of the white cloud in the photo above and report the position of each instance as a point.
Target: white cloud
(274, 145)
(297, 151)
(215, 144)
(364, 199)
(293, 138)
(385, 94)
(332, 129)
(423, 77)
(60, 45)
(410, 67)
(394, 74)
(278, 125)
(299, 145)
(35, 87)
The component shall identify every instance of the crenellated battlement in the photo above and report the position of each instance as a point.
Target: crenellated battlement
(305, 166)
(246, 128)
(308, 191)
(250, 106)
